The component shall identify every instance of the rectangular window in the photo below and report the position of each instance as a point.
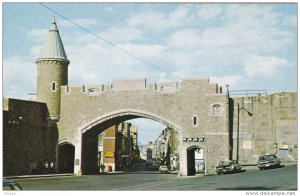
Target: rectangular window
(194, 120)
(53, 86)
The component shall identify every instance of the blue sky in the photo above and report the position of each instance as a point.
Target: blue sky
(248, 46)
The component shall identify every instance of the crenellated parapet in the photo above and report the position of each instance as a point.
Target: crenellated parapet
(196, 84)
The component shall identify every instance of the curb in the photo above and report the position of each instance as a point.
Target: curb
(38, 176)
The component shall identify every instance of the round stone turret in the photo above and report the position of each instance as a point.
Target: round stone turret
(52, 71)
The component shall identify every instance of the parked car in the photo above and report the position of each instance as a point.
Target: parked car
(268, 161)
(163, 169)
(11, 185)
(230, 166)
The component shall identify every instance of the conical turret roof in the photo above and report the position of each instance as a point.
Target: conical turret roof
(53, 48)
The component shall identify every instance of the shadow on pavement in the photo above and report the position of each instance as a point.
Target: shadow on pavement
(133, 172)
(269, 168)
(248, 188)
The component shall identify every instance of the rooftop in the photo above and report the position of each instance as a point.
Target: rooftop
(53, 47)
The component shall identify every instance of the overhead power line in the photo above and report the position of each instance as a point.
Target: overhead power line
(115, 46)
(108, 42)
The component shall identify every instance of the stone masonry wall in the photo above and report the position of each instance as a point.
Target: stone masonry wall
(27, 137)
(175, 106)
(271, 129)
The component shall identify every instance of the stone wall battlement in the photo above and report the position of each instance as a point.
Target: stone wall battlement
(141, 84)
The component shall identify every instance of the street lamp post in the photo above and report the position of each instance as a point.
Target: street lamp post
(228, 125)
(238, 130)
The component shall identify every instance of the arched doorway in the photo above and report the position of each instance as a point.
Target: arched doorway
(88, 164)
(66, 154)
(195, 160)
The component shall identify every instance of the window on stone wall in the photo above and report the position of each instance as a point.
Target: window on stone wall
(53, 86)
(195, 120)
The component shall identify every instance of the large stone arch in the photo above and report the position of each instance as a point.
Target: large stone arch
(85, 141)
(130, 114)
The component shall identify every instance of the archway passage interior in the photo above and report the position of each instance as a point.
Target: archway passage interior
(90, 153)
(195, 160)
(66, 156)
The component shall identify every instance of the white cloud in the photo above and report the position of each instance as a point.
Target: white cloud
(180, 16)
(244, 31)
(161, 20)
(121, 34)
(144, 50)
(185, 39)
(231, 80)
(84, 22)
(38, 35)
(289, 20)
(95, 58)
(209, 11)
(35, 51)
(264, 65)
(18, 77)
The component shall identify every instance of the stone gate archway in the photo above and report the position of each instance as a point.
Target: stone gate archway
(87, 156)
(193, 161)
(195, 108)
(65, 159)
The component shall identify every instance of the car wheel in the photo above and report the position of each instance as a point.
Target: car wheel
(18, 187)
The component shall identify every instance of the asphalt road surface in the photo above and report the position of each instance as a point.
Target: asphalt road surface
(284, 178)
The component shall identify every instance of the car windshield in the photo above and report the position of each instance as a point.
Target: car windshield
(226, 162)
(267, 158)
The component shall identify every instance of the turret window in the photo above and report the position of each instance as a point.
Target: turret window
(54, 86)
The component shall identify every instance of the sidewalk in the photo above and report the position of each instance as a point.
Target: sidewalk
(37, 176)
(55, 175)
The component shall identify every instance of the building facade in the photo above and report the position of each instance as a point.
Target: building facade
(271, 129)
(117, 148)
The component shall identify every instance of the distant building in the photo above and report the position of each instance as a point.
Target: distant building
(117, 147)
(164, 149)
(149, 154)
(143, 151)
(107, 147)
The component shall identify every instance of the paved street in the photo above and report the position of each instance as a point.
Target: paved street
(274, 179)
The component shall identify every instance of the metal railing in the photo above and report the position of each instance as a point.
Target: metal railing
(247, 93)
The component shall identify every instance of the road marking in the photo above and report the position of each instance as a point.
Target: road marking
(164, 182)
(145, 185)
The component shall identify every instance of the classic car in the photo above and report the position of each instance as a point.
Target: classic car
(230, 166)
(268, 161)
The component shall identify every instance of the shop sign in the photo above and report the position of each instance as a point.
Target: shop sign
(109, 154)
